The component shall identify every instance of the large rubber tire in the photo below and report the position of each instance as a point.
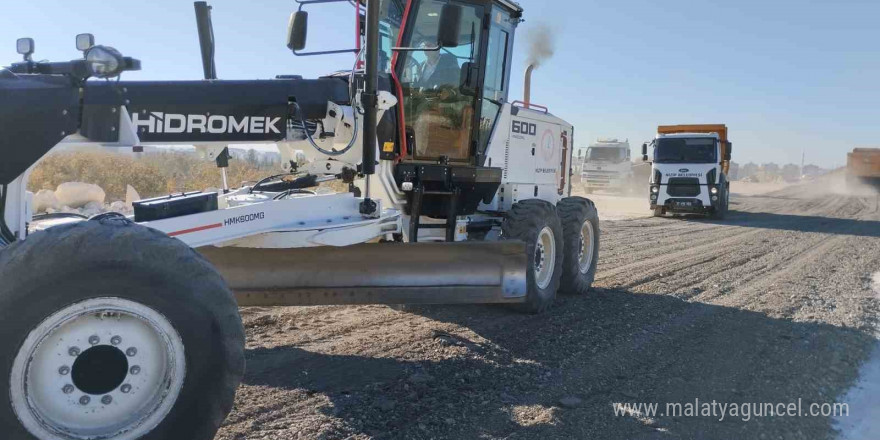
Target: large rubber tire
(117, 261)
(578, 216)
(527, 221)
(720, 212)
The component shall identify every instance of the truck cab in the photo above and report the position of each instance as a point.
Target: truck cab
(607, 166)
(689, 170)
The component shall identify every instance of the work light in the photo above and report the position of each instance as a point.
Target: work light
(104, 62)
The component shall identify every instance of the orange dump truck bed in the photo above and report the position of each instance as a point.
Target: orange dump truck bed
(864, 162)
(721, 129)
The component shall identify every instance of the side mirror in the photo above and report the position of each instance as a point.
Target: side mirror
(729, 150)
(25, 46)
(84, 42)
(450, 23)
(297, 29)
(644, 149)
(468, 81)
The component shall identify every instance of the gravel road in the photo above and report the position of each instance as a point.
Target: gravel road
(772, 305)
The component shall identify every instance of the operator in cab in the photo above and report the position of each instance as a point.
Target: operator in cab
(439, 69)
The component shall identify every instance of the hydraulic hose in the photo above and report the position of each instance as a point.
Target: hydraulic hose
(351, 95)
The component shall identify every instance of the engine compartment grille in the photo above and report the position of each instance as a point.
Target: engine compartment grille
(683, 187)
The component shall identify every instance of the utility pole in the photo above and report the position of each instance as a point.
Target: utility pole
(803, 155)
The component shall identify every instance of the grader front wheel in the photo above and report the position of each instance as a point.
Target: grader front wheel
(115, 331)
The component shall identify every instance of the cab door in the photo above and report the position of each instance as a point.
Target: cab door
(496, 80)
(439, 112)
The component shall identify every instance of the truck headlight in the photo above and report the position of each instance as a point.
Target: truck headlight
(713, 190)
(655, 189)
(104, 62)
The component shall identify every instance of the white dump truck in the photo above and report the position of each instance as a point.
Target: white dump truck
(607, 166)
(689, 169)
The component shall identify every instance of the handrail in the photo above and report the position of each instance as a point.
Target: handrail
(529, 105)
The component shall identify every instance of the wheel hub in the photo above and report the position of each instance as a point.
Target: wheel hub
(545, 257)
(585, 251)
(101, 368)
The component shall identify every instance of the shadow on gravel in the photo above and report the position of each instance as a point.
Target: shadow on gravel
(799, 223)
(557, 375)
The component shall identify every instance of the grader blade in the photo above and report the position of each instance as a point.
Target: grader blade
(393, 273)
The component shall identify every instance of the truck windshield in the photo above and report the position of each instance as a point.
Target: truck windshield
(685, 150)
(606, 153)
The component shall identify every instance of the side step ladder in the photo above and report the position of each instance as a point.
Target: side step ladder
(419, 194)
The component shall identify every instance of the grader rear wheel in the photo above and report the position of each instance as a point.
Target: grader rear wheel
(537, 224)
(580, 224)
(115, 331)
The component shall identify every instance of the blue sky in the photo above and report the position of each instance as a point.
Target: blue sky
(784, 75)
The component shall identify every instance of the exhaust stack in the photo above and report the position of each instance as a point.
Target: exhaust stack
(527, 86)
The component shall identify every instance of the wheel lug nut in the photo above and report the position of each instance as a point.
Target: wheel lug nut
(106, 400)
(131, 351)
(135, 369)
(126, 388)
(64, 371)
(68, 389)
(74, 351)
(84, 400)
(116, 340)
(94, 339)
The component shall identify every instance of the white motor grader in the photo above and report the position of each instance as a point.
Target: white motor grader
(120, 327)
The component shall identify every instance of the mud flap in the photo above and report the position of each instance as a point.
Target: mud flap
(387, 273)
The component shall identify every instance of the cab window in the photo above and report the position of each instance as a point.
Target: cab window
(437, 111)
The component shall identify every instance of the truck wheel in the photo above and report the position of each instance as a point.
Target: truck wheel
(114, 331)
(580, 226)
(720, 212)
(536, 223)
(659, 211)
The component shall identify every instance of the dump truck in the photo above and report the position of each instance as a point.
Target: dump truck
(689, 170)
(607, 166)
(124, 327)
(863, 167)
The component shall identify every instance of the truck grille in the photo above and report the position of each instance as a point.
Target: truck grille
(600, 176)
(683, 187)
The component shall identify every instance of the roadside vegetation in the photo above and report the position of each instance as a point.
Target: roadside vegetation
(151, 174)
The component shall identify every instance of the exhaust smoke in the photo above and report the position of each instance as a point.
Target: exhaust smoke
(542, 45)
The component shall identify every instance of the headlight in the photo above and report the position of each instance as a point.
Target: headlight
(713, 190)
(655, 189)
(104, 62)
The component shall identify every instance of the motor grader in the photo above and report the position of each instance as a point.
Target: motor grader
(124, 327)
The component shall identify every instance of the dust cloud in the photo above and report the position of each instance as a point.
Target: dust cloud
(836, 182)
